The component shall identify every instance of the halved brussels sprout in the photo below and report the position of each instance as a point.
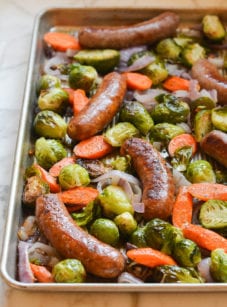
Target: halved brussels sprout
(202, 124)
(54, 99)
(164, 132)
(168, 49)
(117, 134)
(106, 231)
(118, 162)
(186, 253)
(48, 152)
(138, 237)
(192, 53)
(89, 213)
(200, 171)
(213, 28)
(213, 214)
(73, 175)
(50, 124)
(156, 71)
(46, 82)
(69, 271)
(126, 223)
(219, 118)
(218, 266)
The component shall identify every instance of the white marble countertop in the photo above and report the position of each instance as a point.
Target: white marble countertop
(16, 24)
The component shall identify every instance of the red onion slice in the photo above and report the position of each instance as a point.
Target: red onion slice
(24, 271)
(115, 175)
(127, 278)
(51, 65)
(147, 98)
(139, 63)
(204, 269)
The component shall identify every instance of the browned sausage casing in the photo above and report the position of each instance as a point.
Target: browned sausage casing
(71, 241)
(101, 108)
(143, 33)
(156, 178)
(214, 144)
(209, 78)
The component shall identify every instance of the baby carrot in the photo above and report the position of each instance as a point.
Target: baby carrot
(180, 141)
(205, 191)
(49, 179)
(80, 196)
(56, 168)
(61, 41)
(204, 237)
(41, 273)
(149, 257)
(137, 81)
(182, 209)
(92, 148)
(176, 83)
(80, 100)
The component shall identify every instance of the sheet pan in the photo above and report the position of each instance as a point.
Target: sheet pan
(72, 18)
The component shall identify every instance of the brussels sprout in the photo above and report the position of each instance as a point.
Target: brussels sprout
(46, 82)
(200, 171)
(182, 158)
(106, 231)
(213, 29)
(73, 175)
(164, 132)
(115, 161)
(34, 187)
(219, 118)
(117, 134)
(135, 113)
(114, 201)
(104, 60)
(87, 215)
(218, 266)
(50, 124)
(221, 175)
(161, 235)
(69, 271)
(176, 274)
(170, 110)
(138, 237)
(202, 124)
(82, 77)
(126, 223)
(48, 152)
(53, 99)
(192, 53)
(182, 41)
(202, 103)
(186, 253)
(213, 214)
(168, 49)
(135, 56)
(156, 71)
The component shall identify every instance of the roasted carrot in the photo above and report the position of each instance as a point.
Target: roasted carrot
(80, 100)
(56, 168)
(205, 191)
(92, 148)
(182, 209)
(70, 92)
(180, 141)
(149, 257)
(204, 237)
(80, 196)
(137, 81)
(50, 180)
(61, 41)
(176, 83)
(41, 273)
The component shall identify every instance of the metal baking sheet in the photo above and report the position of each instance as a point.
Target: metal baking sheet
(72, 18)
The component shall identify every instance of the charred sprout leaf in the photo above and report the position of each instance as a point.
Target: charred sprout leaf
(202, 124)
(46, 82)
(103, 60)
(106, 231)
(126, 223)
(219, 118)
(202, 103)
(94, 168)
(34, 187)
(48, 152)
(186, 253)
(82, 77)
(200, 171)
(135, 113)
(192, 53)
(138, 237)
(213, 214)
(73, 175)
(182, 158)
(168, 49)
(218, 267)
(69, 271)
(87, 215)
(114, 201)
(116, 135)
(176, 274)
(50, 124)
(53, 99)
(164, 132)
(161, 235)
(213, 28)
